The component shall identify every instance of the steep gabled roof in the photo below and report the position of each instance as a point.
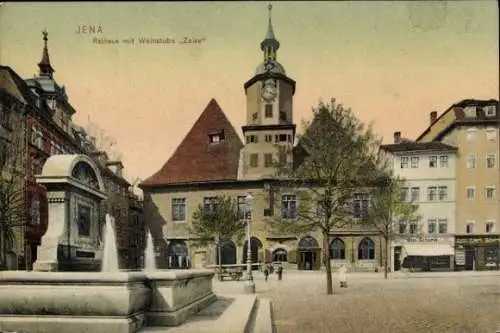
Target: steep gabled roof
(198, 160)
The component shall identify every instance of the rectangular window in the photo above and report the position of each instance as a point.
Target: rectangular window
(282, 157)
(443, 226)
(35, 210)
(491, 134)
(289, 206)
(242, 207)
(254, 160)
(179, 209)
(209, 204)
(490, 111)
(252, 139)
(361, 204)
(471, 134)
(491, 161)
(269, 110)
(489, 193)
(282, 138)
(268, 160)
(471, 193)
(413, 227)
(402, 227)
(443, 192)
(268, 138)
(431, 193)
(414, 162)
(471, 161)
(415, 193)
(443, 161)
(433, 161)
(489, 227)
(404, 162)
(431, 226)
(404, 194)
(469, 228)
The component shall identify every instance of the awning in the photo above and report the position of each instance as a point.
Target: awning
(428, 250)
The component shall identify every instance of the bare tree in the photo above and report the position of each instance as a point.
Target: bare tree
(389, 206)
(335, 157)
(102, 141)
(12, 195)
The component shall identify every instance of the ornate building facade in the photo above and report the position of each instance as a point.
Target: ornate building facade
(212, 160)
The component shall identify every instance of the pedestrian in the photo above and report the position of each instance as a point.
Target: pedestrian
(265, 269)
(279, 271)
(343, 276)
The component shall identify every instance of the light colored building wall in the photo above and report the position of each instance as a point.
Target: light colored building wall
(425, 177)
(480, 209)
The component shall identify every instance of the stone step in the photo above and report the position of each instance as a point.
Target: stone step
(229, 314)
(263, 321)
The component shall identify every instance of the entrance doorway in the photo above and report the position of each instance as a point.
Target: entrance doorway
(255, 246)
(470, 257)
(280, 255)
(308, 254)
(177, 254)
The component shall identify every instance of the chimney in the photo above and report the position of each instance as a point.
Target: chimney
(433, 116)
(397, 137)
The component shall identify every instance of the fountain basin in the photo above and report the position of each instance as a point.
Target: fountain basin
(178, 294)
(73, 302)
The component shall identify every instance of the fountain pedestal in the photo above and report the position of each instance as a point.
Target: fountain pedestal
(74, 190)
(178, 294)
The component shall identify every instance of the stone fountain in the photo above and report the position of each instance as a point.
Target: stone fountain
(68, 293)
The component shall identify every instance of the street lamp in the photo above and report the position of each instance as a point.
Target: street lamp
(249, 285)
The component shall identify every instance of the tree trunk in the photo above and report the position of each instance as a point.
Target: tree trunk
(326, 262)
(387, 256)
(219, 252)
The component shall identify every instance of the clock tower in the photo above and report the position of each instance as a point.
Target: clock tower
(269, 131)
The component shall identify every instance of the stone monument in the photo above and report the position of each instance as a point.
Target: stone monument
(75, 191)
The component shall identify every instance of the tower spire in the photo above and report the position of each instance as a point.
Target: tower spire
(44, 64)
(270, 45)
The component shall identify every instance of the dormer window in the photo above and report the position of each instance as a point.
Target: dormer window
(216, 137)
(470, 111)
(490, 111)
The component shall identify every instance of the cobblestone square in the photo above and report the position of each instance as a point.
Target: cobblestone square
(451, 302)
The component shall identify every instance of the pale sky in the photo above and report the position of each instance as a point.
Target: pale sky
(391, 62)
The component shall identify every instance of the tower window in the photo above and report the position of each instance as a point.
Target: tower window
(216, 137)
(269, 110)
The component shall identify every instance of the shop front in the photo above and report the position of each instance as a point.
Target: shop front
(476, 253)
(425, 256)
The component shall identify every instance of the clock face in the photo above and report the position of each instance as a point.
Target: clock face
(269, 90)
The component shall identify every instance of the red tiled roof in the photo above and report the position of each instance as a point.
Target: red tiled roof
(198, 160)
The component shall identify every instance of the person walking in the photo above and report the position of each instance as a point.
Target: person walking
(279, 272)
(265, 270)
(343, 276)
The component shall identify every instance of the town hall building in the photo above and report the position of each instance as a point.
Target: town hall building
(212, 161)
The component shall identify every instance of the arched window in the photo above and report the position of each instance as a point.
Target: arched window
(308, 243)
(84, 173)
(337, 249)
(366, 249)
